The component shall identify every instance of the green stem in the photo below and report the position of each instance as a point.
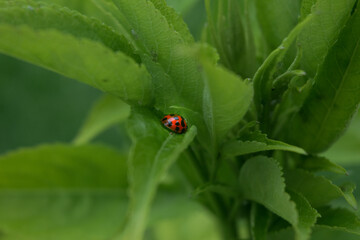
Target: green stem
(194, 170)
(229, 230)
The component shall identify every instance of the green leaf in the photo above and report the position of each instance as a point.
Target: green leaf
(335, 96)
(160, 42)
(195, 118)
(230, 31)
(176, 217)
(81, 188)
(113, 17)
(53, 162)
(264, 76)
(326, 233)
(277, 18)
(306, 6)
(348, 190)
(317, 189)
(307, 216)
(153, 152)
(317, 38)
(346, 150)
(222, 189)
(48, 16)
(106, 112)
(85, 7)
(174, 19)
(339, 219)
(256, 143)
(218, 108)
(291, 101)
(79, 59)
(261, 181)
(284, 234)
(317, 163)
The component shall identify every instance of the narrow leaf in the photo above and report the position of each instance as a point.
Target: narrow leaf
(277, 18)
(339, 219)
(306, 6)
(263, 78)
(218, 108)
(348, 190)
(230, 30)
(151, 156)
(316, 163)
(106, 112)
(174, 19)
(239, 147)
(335, 96)
(317, 189)
(317, 38)
(307, 216)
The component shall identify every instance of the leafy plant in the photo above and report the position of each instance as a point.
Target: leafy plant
(270, 85)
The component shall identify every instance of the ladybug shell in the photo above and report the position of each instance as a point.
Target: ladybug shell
(175, 123)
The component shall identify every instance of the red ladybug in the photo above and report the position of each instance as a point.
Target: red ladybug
(175, 123)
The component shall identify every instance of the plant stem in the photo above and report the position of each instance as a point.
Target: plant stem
(229, 229)
(194, 170)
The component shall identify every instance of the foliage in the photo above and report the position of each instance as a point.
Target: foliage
(270, 85)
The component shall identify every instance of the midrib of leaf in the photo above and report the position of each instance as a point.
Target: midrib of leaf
(208, 109)
(355, 52)
(238, 148)
(154, 177)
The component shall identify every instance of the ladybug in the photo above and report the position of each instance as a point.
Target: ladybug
(175, 123)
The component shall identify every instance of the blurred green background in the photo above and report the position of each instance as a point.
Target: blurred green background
(38, 106)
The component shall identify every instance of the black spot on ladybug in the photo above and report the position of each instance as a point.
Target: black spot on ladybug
(177, 129)
(164, 119)
(176, 118)
(169, 124)
(177, 123)
(172, 115)
(182, 123)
